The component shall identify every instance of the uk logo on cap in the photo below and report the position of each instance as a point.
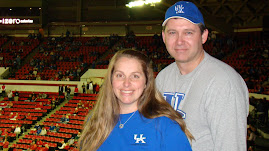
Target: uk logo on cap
(186, 10)
(179, 9)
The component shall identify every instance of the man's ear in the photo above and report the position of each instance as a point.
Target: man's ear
(204, 36)
(163, 36)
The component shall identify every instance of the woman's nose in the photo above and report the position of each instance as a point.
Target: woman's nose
(126, 82)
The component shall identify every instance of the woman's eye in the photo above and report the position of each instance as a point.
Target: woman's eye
(118, 75)
(136, 76)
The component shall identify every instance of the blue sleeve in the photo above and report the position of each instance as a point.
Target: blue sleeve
(174, 139)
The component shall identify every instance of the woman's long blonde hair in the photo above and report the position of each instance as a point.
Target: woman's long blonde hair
(102, 119)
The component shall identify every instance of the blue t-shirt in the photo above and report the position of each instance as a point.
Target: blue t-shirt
(140, 133)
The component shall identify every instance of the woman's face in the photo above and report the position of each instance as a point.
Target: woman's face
(128, 82)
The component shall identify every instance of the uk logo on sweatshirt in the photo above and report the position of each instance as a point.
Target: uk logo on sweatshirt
(140, 139)
(174, 100)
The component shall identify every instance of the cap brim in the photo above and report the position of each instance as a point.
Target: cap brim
(173, 17)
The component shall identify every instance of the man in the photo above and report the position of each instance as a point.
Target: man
(211, 96)
(91, 87)
(61, 90)
(68, 91)
(83, 88)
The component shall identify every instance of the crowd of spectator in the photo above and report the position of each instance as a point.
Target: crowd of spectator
(54, 50)
(257, 123)
(36, 101)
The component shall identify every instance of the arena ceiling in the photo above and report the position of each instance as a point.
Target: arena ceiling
(219, 15)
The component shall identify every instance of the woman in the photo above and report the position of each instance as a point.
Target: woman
(130, 113)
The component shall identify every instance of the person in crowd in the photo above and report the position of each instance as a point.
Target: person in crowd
(52, 127)
(23, 129)
(10, 95)
(39, 106)
(39, 96)
(61, 90)
(11, 115)
(75, 111)
(58, 100)
(71, 141)
(97, 88)
(33, 146)
(3, 90)
(2, 112)
(13, 128)
(63, 119)
(127, 99)
(44, 95)
(68, 91)
(33, 99)
(83, 88)
(5, 145)
(67, 78)
(17, 131)
(46, 148)
(43, 131)
(67, 119)
(38, 131)
(57, 128)
(53, 99)
(14, 116)
(36, 126)
(79, 104)
(28, 116)
(76, 91)
(260, 111)
(16, 95)
(88, 87)
(77, 136)
(91, 87)
(4, 133)
(29, 98)
(266, 108)
(251, 136)
(62, 146)
(86, 105)
(39, 142)
(9, 104)
(94, 88)
(38, 77)
(41, 125)
(211, 96)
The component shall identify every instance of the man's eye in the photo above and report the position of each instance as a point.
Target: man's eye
(189, 33)
(172, 32)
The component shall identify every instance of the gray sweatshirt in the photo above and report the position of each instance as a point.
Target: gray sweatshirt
(214, 101)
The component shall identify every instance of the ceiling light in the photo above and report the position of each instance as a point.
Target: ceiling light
(142, 2)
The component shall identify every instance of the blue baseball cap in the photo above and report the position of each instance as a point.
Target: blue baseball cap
(185, 10)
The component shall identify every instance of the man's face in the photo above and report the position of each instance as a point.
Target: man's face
(184, 40)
